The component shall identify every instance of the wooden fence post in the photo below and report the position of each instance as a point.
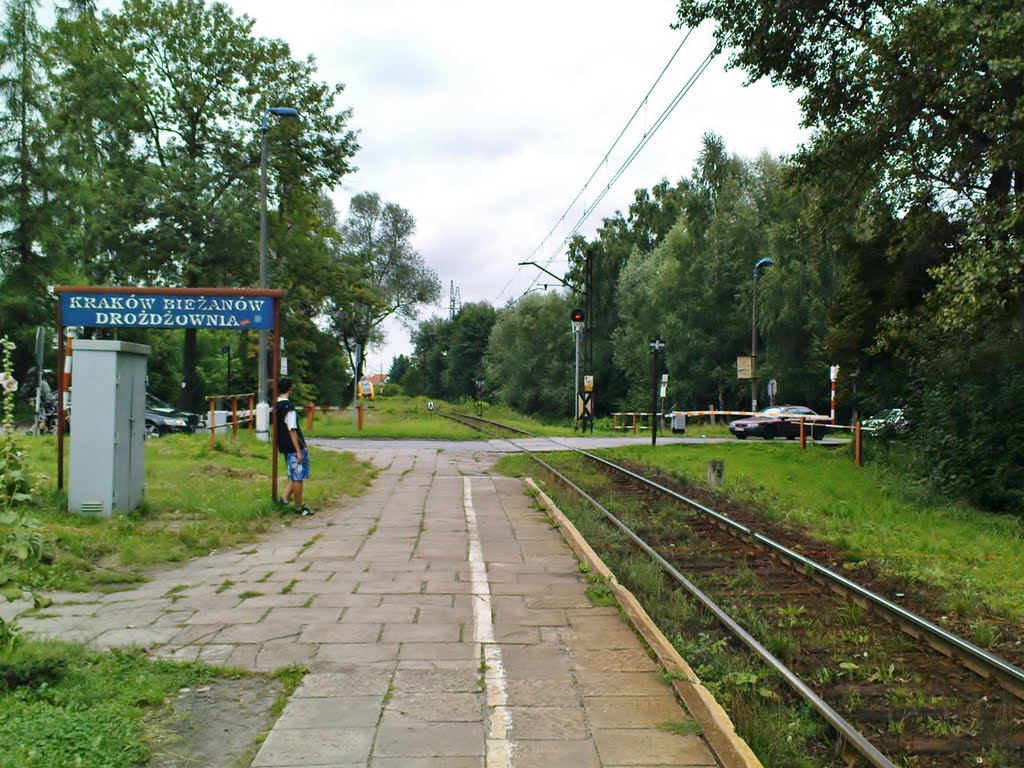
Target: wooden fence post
(213, 426)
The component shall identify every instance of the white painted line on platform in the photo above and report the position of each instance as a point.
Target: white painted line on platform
(498, 753)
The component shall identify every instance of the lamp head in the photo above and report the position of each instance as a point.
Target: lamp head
(765, 262)
(279, 112)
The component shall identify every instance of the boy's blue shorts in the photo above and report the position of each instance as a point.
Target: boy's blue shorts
(298, 466)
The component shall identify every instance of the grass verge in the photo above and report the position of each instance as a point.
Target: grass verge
(198, 500)
(399, 417)
(63, 705)
(868, 514)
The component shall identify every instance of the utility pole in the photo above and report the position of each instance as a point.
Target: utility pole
(657, 346)
(588, 329)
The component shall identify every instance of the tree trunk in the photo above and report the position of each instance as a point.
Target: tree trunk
(999, 184)
(190, 394)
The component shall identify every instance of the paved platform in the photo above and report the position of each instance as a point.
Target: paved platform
(443, 619)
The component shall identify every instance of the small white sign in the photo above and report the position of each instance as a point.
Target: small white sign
(430, 405)
(833, 372)
(284, 366)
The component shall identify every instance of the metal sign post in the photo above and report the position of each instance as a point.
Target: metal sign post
(577, 317)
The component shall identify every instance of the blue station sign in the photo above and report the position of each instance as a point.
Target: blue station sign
(166, 310)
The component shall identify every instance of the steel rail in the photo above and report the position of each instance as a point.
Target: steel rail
(850, 735)
(1010, 676)
(458, 416)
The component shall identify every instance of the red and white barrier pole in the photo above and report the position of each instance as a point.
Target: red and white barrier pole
(833, 374)
(66, 373)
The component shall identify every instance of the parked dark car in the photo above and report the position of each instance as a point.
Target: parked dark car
(780, 421)
(164, 419)
(888, 423)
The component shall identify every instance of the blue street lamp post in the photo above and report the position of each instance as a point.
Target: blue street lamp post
(765, 262)
(262, 407)
(657, 347)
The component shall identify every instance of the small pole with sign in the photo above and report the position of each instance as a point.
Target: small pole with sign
(479, 383)
(586, 403)
(773, 390)
(661, 393)
(657, 346)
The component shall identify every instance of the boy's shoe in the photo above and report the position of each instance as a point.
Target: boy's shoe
(281, 501)
(305, 511)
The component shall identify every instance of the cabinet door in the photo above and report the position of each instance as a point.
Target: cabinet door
(137, 432)
(122, 435)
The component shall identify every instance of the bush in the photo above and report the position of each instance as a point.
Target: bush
(967, 405)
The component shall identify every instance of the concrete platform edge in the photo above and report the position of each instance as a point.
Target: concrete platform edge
(731, 750)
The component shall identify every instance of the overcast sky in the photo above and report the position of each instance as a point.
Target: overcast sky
(485, 119)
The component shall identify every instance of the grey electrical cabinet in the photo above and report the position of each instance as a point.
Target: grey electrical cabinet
(108, 425)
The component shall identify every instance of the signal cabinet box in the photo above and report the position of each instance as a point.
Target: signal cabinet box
(108, 425)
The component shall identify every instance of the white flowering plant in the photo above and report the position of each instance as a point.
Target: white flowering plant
(15, 482)
(21, 538)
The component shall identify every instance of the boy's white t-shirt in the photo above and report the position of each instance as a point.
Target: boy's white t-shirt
(290, 420)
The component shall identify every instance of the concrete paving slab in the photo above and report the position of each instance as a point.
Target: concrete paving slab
(332, 712)
(434, 707)
(650, 746)
(579, 753)
(430, 740)
(618, 712)
(335, 632)
(321, 746)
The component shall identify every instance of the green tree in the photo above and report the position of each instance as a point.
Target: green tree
(388, 277)
(467, 345)
(647, 222)
(25, 172)
(529, 359)
(431, 342)
(399, 367)
(916, 111)
(189, 83)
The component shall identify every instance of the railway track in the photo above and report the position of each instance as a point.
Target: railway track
(897, 689)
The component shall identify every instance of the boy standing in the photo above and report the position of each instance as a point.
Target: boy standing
(292, 444)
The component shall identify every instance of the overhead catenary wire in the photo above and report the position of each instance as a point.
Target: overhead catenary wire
(641, 106)
(647, 136)
(632, 156)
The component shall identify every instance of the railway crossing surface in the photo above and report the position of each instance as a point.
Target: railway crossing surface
(442, 617)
